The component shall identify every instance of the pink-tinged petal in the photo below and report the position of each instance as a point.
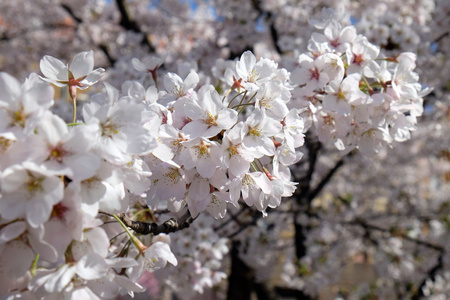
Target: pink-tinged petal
(91, 266)
(53, 190)
(12, 206)
(54, 69)
(10, 89)
(93, 78)
(16, 259)
(46, 251)
(199, 189)
(38, 212)
(206, 167)
(82, 64)
(12, 231)
(238, 165)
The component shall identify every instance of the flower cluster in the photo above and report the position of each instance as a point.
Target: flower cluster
(55, 178)
(215, 148)
(181, 144)
(200, 252)
(354, 96)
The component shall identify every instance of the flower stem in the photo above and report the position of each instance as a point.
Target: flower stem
(73, 96)
(134, 239)
(34, 265)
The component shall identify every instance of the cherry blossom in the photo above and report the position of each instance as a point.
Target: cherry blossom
(289, 149)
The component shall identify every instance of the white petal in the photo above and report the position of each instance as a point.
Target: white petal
(227, 118)
(93, 77)
(46, 251)
(82, 64)
(10, 89)
(38, 212)
(13, 178)
(128, 284)
(16, 259)
(195, 129)
(12, 231)
(99, 240)
(53, 128)
(54, 69)
(121, 262)
(138, 65)
(83, 166)
(191, 81)
(172, 83)
(91, 266)
(206, 167)
(157, 255)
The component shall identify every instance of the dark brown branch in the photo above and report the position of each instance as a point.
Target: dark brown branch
(269, 17)
(232, 218)
(171, 225)
(285, 292)
(304, 182)
(431, 274)
(128, 22)
(102, 47)
(242, 227)
(441, 37)
(241, 277)
(316, 191)
(71, 13)
(404, 236)
(108, 55)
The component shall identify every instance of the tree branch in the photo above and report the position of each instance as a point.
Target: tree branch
(404, 236)
(304, 182)
(441, 37)
(316, 191)
(431, 274)
(273, 30)
(171, 225)
(71, 13)
(102, 47)
(128, 22)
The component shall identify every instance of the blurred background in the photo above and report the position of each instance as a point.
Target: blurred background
(358, 227)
